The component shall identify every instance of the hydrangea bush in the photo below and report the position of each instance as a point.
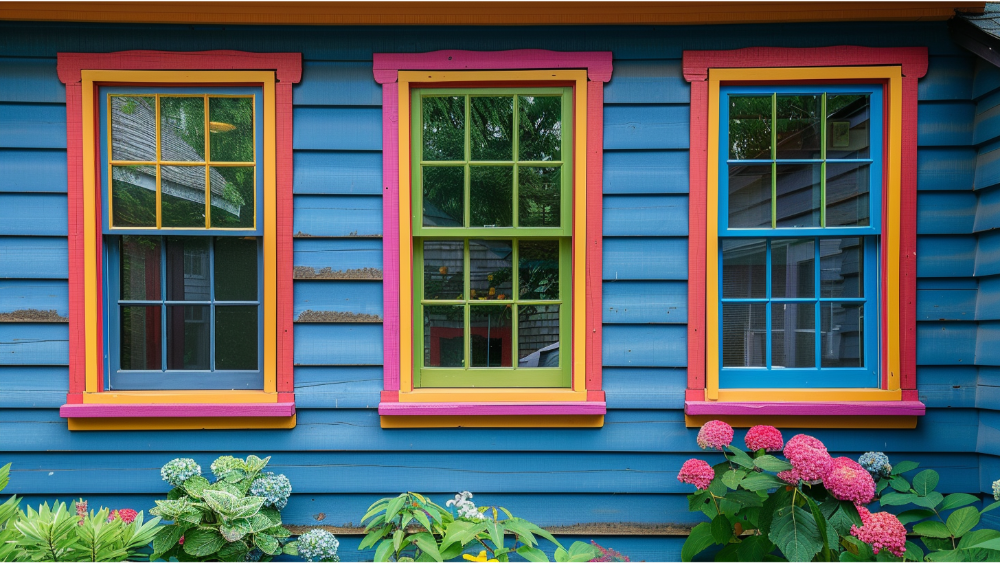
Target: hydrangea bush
(318, 545)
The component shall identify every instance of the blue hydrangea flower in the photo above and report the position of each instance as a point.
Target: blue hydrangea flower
(274, 488)
(876, 463)
(176, 471)
(318, 545)
(996, 489)
(253, 555)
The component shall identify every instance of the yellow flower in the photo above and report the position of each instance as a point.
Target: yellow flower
(480, 557)
(493, 291)
(490, 277)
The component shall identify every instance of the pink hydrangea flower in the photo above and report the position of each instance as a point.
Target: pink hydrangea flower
(881, 530)
(789, 476)
(763, 437)
(696, 472)
(847, 480)
(715, 435)
(809, 457)
(127, 515)
(81, 511)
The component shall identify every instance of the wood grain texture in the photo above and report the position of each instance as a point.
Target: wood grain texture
(42, 295)
(337, 172)
(29, 170)
(947, 387)
(338, 215)
(876, 408)
(178, 410)
(645, 172)
(642, 302)
(39, 344)
(33, 387)
(32, 126)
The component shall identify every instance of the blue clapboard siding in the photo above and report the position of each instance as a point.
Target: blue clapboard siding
(646, 127)
(946, 256)
(947, 387)
(647, 82)
(326, 83)
(987, 351)
(44, 295)
(987, 210)
(338, 344)
(336, 254)
(646, 172)
(645, 302)
(987, 122)
(338, 216)
(645, 345)
(988, 301)
(946, 168)
(645, 258)
(33, 257)
(30, 80)
(329, 172)
(946, 305)
(337, 128)
(945, 124)
(645, 215)
(951, 213)
(32, 126)
(988, 166)
(39, 344)
(325, 387)
(24, 387)
(32, 170)
(947, 78)
(33, 214)
(986, 79)
(644, 388)
(338, 295)
(988, 254)
(944, 343)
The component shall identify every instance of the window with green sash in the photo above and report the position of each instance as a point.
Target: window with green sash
(492, 224)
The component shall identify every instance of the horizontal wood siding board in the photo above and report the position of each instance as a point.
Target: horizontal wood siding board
(33, 170)
(986, 79)
(947, 387)
(33, 387)
(645, 258)
(946, 304)
(987, 120)
(32, 126)
(989, 434)
(642, 302)
(337, 254)
(354, 387)
(946, 256)
(951, 168)
(987, 351)
(30, 80)
(946, 343)
(988, 166)
(346, 344)
(988, 254)
(987, 210)
(645, 346)
(646, 172)
(338, 215)
(644, 388)
(988, 301)
(951, 213)
(337, 172)
(947, 78)
(337, 128)
(647, 82)
(988, 397)
(33, 214)
(336, 83)
(665, 215)
(945, 124)
(43, 344)
(646, 127)
(342, 296)
(33, 257)
(41, 295)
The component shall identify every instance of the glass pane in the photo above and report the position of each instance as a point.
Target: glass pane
(444, 262)
(140, 268)
(793, 335)
(744, 265)
(750, 128)
(133, 128)
(444, 196)
(538, 269)
(133, 196)
(188, 337)
(491, 196)
(847, 202)
(490, 330)
(182, 128)
(187, 269)
(744, 334)
(539, 191)
(843, 334)
(798, 120)
(842, 263)
(538, 336)
(539, 128)
(230, 129)
(490, 272)
(799, 195)
(847, 123)
(232, 196)
(491, 125)
(140, 338)
(444, 336)
(236, 337)
(793, 268)
(182, 193)
(235, 269)
(444, 128)
(749, 196)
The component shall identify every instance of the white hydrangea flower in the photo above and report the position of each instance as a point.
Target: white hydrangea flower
(465, 507)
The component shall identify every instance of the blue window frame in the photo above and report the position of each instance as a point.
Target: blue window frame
(800, 224)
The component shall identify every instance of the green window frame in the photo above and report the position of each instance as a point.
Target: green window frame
(467, 146)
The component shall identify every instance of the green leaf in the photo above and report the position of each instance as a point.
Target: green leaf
(532, 553)
(4, 476)
(821, 525)
(426, 543)
(911, 516)
(717, 487)
(880, 486)
(753, 548)
(956, 500)
(796, 534)
(988, 544)
(963, 520)
(580, 552)
(166, 538)
(896, 499)
(913, 552)
(195, 485)
(699, 539)
(990, 507)
(236, 529)
(266, 543)
(900, 484)
(383, 551)
(771, 463)
(462, 532)
(727, 553)
(732, 479)
(761, 482)
(770, 508)
(973, 538)
(740, 457)
(201, 542)
(495, 530)
(235, 551)
(745, 498)
(932, 529)
(393, 508)
(220, 501)
(925, 482)
(947, 555)
(903, 467)
(937, 544)
(932, 499)
(722, 529)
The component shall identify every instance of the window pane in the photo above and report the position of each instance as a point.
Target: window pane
(182, 194)
(232, 196)
(744, 336)
(540, 128)
(182, 128)
(188, 337)
(444, 196)
(492, 196)
(133, 196)
(799, 195)
(187, 269)
(490, 263)
(133, 128)
(847, 202)
(750, 128)
(538, 269)
(231, 130)
(140, 268)
(538, 336)
(793, 268)
(538, 197)
(749, 196)
(490, 328)
(744, 265)
(236, 337)
(235, 269)
(444, 128)
(492, 122)
(793, 335)
(444, 336)
(798, 120)
(841, 267)
(847, 124)
(140, 338)
(444, 269)
(843, 334)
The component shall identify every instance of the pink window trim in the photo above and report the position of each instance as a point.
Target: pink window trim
(385, 67)
(179, 410)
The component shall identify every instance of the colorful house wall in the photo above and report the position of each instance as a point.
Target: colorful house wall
(615, 484)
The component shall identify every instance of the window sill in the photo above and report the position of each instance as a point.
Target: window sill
(178, 416)
(830, 414)
(562, 414)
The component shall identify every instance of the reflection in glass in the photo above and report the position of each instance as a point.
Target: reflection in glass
(444, 128)
(140, 338)
(538, 269)
(140, 268)
(133, 128)
(538, 197)
(744, 265)
(793, 335)
(182, 129)
(539, 128)
(236, 337)
(749, 196)
(491, 124)
(491, 193)
(744, 334)
(841, 267)
(188, 337)
(133, 196)
(188, 269)
(538, 336)
(847, 198)
(235, 269)
(797, 122)
(490, 273)
(231, 130)
(444, 196)
(843, 334)
(444, 269)
(444, 336)
(490, 335)
(232, 196)
(799, 195)
(847, 124)
(182, 195)
(750, 128)
(793, 268)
